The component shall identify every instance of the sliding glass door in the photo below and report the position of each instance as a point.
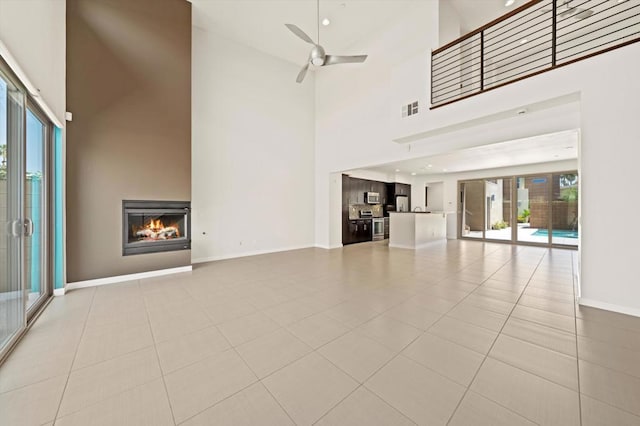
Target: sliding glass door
(564, 213)
(25, 138)
(533, 209)
(12, 297)
(544, 211)
(472, 209)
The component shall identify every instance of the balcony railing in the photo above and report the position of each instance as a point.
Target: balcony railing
(534, 38)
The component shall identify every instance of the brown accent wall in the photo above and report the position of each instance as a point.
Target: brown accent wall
(129, 89)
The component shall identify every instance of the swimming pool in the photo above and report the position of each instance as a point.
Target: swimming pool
(556, 233)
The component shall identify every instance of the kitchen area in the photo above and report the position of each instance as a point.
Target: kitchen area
(366, 206)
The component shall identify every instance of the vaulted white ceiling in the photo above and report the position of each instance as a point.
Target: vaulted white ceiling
(260, 23)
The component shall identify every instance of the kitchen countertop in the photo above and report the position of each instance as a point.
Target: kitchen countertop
(414, 212)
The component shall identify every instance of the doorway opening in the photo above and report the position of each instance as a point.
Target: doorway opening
(539, 209)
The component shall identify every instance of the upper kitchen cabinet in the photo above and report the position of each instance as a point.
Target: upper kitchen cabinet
(402, 189)
(346, 183)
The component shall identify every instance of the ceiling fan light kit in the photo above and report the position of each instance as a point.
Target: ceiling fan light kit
(318, 56)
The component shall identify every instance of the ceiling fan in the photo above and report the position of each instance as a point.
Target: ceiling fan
(318, 57)
(566, 10)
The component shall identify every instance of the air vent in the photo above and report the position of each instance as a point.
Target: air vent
(410, 109)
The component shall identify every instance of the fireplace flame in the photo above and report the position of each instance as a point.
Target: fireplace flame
(156, 230)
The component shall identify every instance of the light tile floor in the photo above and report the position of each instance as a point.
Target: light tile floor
(463, 333)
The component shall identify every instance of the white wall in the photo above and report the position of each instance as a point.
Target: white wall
(449, 22)
(435, 201)
(596, 95)
(253, 149)
(33, 32)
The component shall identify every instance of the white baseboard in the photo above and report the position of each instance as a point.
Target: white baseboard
(329, 247)
(609, 307)
(58, 292)
(248, 253)
(420, 246)
(128, 277)
(402, 246)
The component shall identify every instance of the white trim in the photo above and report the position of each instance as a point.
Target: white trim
(248, 253)
(329, 247)
(419, 246)
(128, 277)
(609, 307)
(58, 292)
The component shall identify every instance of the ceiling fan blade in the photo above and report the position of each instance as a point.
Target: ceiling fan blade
(297, 31)
(302, 73)
(334, 59)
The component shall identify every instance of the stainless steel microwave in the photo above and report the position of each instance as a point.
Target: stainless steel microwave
(372, 197)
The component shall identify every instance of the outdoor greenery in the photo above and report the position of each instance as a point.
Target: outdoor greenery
(3, 166)
(569, 194)
(524, 217)
(3, 162)
(501, 224)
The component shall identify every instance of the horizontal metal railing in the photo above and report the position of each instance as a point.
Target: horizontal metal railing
(534, 38)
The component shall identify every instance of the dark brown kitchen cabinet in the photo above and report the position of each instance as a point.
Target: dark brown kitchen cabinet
(353, 192)
(363, 230)
(402, 189)
(358, 231)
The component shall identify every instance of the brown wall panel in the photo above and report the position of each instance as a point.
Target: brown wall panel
(129, 89)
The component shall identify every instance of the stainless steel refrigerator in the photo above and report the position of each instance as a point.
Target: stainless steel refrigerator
(402, 203)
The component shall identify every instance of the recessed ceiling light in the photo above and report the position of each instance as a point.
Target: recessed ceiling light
(326, 21)
(397, 170)
(413, 173)
(508, 3)
(444, 170)
(429, 165)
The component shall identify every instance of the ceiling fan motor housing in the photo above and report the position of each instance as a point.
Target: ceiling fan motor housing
(317, 56)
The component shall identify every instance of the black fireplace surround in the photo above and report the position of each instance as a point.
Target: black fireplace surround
(155, 226)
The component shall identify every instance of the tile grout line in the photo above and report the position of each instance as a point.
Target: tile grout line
(468, 388)
(398, 354)
(575, 324)
(84, 326)
(259, 380)
(155, 349)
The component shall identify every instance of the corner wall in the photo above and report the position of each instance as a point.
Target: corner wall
(129, 89)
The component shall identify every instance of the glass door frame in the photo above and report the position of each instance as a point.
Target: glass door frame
(514, 210)
(46, 210)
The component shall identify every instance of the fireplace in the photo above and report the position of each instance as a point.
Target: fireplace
(155, 226)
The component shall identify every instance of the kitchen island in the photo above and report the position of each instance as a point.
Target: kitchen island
(413, 230)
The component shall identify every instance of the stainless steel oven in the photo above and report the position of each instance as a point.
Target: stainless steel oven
(377, 228)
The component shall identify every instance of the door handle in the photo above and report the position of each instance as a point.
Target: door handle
(28, 227)
(16, 228)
